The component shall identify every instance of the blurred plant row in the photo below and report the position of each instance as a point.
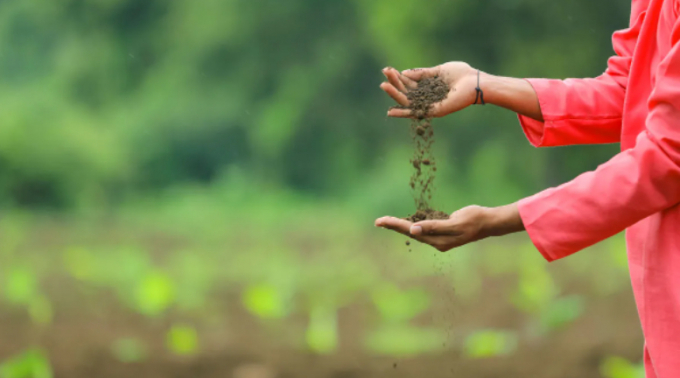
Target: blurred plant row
(300, 269)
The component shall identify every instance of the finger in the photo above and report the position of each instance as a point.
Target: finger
(435, 228)
(418, 74)
(395, 224)
(381, 222)
(400, 81)
(394, 78)
(403, 227)
(398, 96)
(410, 84)
(399, 113)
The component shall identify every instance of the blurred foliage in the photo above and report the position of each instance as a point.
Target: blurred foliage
(490, 343)
(322, 333)
(247, 140)
(617, 367)
(403, 340)
(562, 311)
(397, 306)
(128, 350)
(266, 301)
(30, 364)
(21, 288)
(106, 99)
(155, 293)
(299, 270)
(182, 339)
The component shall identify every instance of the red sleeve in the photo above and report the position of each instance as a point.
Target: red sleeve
(632, 186)
(584, 111)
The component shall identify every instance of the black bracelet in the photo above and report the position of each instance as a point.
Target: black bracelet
(480, 92)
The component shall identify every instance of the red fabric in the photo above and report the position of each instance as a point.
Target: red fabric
(635, 102)
(649, 366)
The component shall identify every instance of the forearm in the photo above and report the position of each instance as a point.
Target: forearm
(502, 220)
(513, 94)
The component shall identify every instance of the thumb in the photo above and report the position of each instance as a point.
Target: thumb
(436, 227)
(418, 74)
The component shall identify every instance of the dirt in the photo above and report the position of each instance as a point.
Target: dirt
(428, 214)
(428, 92)
(245, 349)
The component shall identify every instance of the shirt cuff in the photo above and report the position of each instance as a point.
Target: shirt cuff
(535, 130)
(529, 211)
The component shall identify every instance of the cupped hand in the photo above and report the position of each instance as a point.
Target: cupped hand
(460, 77)
(465, 226)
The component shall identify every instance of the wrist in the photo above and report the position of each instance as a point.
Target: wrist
(502, 220)
(469, 85)
(517, 95)
(493, 87)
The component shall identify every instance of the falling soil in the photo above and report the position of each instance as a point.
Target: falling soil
(428, 92)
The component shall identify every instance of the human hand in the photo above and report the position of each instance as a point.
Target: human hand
(465, 226)
(460, 77)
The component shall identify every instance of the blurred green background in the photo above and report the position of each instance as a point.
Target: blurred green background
(188, 189)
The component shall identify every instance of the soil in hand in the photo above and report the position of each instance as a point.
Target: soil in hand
(428, 92)
(427, 214)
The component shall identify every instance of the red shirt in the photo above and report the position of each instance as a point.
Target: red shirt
(635, 102)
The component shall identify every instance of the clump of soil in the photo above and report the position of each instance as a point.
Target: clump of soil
(428, 92)
(427, 214)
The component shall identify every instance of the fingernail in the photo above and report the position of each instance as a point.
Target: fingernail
(416, 230)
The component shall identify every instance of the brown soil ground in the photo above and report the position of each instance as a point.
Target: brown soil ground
(79, 343)
(234, 344)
